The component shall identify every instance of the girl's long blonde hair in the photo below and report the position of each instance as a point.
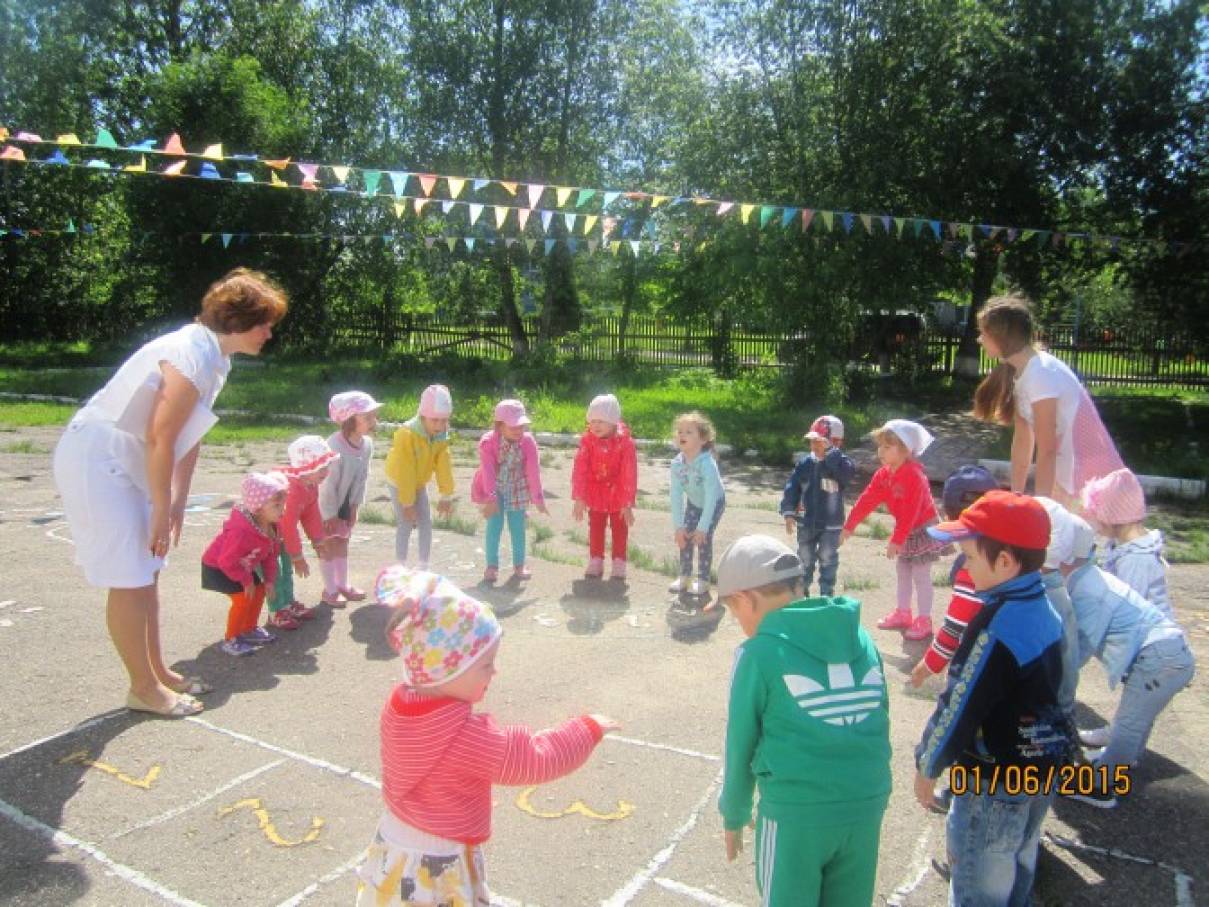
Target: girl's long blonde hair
(1008, 321)
(700, 421)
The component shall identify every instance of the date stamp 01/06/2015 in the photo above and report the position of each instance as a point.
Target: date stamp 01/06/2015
(1083, 780)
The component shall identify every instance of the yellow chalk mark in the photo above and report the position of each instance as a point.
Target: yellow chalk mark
(144, 783)
(266, 824)
(578, 807)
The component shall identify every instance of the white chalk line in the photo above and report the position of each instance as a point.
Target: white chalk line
(630, 889)
(1183, 881)
(121, 870)
(697, 894)
(312, 761)
(82, 726)
(198, 801)
(708, 757)
(920, 864)
(325, 879)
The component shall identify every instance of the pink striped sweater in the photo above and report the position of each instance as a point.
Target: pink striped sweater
(440, 758)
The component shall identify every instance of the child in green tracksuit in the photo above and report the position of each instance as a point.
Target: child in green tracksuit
(809, 723)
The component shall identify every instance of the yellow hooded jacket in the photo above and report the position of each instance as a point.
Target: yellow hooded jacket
(414, 456)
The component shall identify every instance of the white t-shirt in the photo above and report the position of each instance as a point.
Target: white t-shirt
(126, 399)
(1085, 450)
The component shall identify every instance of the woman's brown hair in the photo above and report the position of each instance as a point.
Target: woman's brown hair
(241, 300)
(1009, 322)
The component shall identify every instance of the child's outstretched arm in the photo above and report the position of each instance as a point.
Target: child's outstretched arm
(873, 495)
(522, 756)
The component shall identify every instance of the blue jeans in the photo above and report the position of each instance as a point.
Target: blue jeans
(992, 844)
(822, 547)
(1159, 671)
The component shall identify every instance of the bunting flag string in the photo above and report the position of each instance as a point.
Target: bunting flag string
(70, 229)
(337, 178)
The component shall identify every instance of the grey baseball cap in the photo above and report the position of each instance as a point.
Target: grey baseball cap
(754, 561)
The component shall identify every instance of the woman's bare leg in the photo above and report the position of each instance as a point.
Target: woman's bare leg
(129, 616)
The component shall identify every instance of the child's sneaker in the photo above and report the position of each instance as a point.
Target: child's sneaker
(618, 569)
(352, 593)
(491, 574)
(1101, 799)
(237, 647)
(284, 620)
(301, 611)
(258, 637)
(679, 585)
(521, 572)
(1095, 736)
(921, 628)
(699, 588)
(595, 568)
(332, 599)
(895, 620)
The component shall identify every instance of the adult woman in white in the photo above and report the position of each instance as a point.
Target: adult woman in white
(124, 465)
(1040, 396)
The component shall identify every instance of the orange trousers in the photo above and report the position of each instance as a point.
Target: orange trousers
(244, 614)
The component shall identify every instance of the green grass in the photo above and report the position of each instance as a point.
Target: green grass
(541, 532)
(376, 516)
(576, 536)
(873, 529)
(24, 446)
(644, 560)
(456, 523)
(1186, 531)
(859, 584)
(557, 557)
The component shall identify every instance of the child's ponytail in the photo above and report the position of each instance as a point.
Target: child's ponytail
(1008, 321)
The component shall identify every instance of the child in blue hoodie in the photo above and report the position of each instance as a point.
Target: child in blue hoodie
(813, 502)
(809, 722)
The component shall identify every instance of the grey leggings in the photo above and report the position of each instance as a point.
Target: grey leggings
(404, 526)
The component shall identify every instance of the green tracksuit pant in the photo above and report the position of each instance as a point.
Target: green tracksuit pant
(801, 864)
(283, 592)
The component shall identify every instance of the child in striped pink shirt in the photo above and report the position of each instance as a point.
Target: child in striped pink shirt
(439, 757)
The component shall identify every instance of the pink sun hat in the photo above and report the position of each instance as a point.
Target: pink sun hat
(1115, 499)
(345, 405)
(511, 413)
(308, 454)
(258, 488)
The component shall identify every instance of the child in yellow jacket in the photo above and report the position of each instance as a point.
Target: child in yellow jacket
(420, 448)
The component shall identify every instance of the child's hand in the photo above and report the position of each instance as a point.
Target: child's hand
(606, 723)
(302, 568)
(845, 535)
(920, 673)
(681, 538)
(923, 791)
(892, 550)
(490, 507)
(734, 844)
(577, 511)
(697, 538)
(332, 526)
(409, 513)
(791, 525)
(445, 508)
(627, 514)
(352, 518)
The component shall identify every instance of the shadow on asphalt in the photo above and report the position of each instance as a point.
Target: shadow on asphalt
(689, 621)
(592, 603)
(367, 625)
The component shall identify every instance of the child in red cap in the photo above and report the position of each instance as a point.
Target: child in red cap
(999, 717)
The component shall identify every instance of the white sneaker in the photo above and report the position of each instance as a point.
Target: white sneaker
(1094, 755)
(1095, 737)
(679, 585)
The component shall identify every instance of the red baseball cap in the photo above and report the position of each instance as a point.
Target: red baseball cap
(1005, 516)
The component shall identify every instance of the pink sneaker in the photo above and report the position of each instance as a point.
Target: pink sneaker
(302, 612)
(921, 628)
(491, 574)
(618, 569)
(595, 568)
(521, 573)
(352, 593)
(283, 620)
(895, 620)
(332, 599)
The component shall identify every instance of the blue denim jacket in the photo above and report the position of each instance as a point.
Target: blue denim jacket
(816, 487)
(1114, 621)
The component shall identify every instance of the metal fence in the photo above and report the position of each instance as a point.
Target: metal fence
(1119, 357)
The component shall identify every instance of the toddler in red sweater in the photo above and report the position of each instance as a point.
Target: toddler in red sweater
(902, 486)
(242, 560)
(439, 757)
(604, 482)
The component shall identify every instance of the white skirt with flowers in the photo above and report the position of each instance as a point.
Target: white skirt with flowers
(405, 865)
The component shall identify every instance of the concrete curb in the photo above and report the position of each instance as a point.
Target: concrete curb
(1187, 489)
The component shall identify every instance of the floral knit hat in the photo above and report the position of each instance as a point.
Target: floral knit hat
(438, 630)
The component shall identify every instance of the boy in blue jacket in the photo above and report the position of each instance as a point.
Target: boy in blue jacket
(998, 727)
(813, 502)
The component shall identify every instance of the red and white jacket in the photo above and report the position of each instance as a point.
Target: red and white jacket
(240, 547)
(605, 473)
(301, 509)
(963, 608)
(906, 494)
(440, 758)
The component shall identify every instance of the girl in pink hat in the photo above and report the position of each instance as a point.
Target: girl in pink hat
(242, 560)
(343, 491)
(604, 484)
(310, 460)
(1116, 506)
(419, 451)
(507, 481)
(440, 757)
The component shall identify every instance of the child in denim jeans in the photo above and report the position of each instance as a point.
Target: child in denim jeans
(999, 710)
(813, 502)
(1140, 648)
